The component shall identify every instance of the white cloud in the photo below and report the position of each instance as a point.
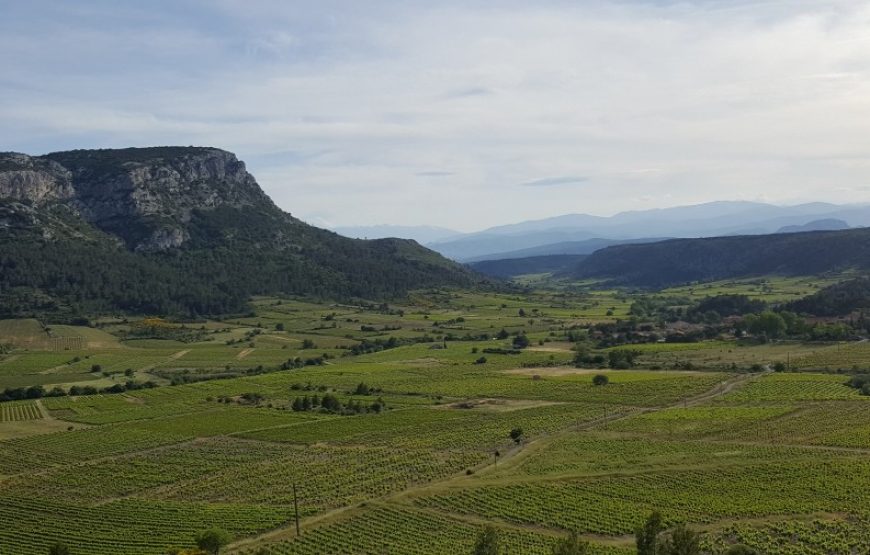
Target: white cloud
(652, 103)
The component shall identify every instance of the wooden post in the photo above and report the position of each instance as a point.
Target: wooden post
(296, 510)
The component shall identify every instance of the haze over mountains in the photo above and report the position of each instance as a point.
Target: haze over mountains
(584, 234)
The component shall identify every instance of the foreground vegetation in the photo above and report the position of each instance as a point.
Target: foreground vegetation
(453, 422)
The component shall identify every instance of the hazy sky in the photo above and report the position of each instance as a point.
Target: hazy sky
(460, 113)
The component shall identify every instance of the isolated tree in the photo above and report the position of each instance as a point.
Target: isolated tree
(503, 334)
(681, 541)
(59, 549)
(647, 536)
(572, 545)
(521, 341)
(279, 326)
(487, 542)
(600, 379)
(517, 435)
(212, 540)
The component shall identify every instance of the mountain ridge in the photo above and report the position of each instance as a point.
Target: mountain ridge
(197, 231)
(680, 261)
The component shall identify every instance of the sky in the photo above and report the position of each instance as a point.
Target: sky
(460, 113)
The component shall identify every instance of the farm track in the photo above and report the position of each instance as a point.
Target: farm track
(509, 459)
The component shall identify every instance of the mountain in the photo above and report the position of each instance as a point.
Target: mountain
(177, 230)
(829, 224)
(679, 261)
(512, 267)
(703, 220)
(587, 246)
(419, 233)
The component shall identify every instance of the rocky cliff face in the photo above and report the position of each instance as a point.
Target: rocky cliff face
(143, 195)
(33, 180)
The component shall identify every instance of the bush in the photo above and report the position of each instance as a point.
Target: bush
(600, 379)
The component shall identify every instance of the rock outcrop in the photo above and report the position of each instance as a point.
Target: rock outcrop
(145, 196)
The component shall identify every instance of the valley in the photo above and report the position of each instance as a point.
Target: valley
(439, 419)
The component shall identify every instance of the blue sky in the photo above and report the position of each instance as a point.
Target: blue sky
(458, 113)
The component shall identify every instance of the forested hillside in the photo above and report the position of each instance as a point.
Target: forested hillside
(686, 260)
(177, 230)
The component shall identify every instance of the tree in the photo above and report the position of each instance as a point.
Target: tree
(572, 545)
(621, 359)
(212, 540)
(517, 435)
(279, 326)
(59, 549)
(647, 536)
(600, 379)
(681, 541)
(521, 341)
(487, 542)
(767, 324)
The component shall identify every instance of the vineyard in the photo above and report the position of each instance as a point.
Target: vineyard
(16, 412)
(467, 432)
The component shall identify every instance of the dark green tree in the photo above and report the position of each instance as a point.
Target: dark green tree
(681, 541)
(517, 435)
(572, 545)
(487, 542)
(212, 540)
(521, 341)
(647, 536)
(600, 379)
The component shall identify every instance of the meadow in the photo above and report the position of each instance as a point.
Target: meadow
(421, 455)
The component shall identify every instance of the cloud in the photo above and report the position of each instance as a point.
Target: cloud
(337, 105)
(434, 174)
(555, 181)
(470, 92)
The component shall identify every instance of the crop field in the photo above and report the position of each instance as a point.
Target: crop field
(16, 412)
(440, 431)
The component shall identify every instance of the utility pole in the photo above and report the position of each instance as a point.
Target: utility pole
(296, 510)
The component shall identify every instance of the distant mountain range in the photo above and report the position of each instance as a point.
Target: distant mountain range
(830, 224)
(566, 234)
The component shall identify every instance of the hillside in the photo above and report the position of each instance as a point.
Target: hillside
(840, 299)
(512, 267)
(182, 230)
(685, 260)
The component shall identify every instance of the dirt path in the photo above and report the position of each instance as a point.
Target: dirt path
(244, 353)
(509, 459)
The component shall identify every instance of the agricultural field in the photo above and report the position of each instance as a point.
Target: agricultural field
(440, 425)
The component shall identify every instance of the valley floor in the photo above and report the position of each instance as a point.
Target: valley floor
(776, 460)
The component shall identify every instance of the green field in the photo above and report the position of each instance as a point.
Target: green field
(775, 460)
